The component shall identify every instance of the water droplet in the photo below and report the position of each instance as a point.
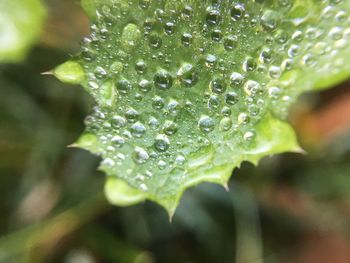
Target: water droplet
(231, 98)
(249, 64)
(169, 127)
(251, 87)
(243, 118)
(118, 121)
(275, 72)
(138, 129)
(108, 162)
(144, 3)
(162, 165)
(269, 20)
(180, 160)
(230, 43)
(213, 17)
(237, 11)
(116, 68)
(274, 92)
(236, 79)
(93, 85)
(141, 67)
(123, 86)
(173, 107)
(225, 124)
(118, 141)
(336, 33)
(100, 72)
(248, 136)
(217, 86)
(293, 50)
(210, 61)
(226, 111)
(297, 36)
(145, 85)
(158, 103)
(169, 28)
(140, 155)
(161, 143)
(206, 124)
(266, 56)
(216, 35)
(163, 80)
(186, 12)
(186, 39)
(155, 41)
(253, 110)
(187, 75)
(153, 123)
(131, 115)
(214, 102)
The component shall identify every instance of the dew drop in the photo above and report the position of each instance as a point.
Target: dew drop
(161, 143)
(243, 118)
(230, 43)
(236, 79)
(169, 28)
(118, 141)
(124, 86)
(213, 17)
(186, 39)
(138, 129)
(210, 61)
(251, 87)
(155, 41)
(237, 11)
(248, 136)
(180, 160)
(141, 67)
(249, 64)
(225, 124)
(140, 155)
(214, 102)
(145, 85)
(188, 75)
(158, 103)
(163, 80)
(162, 165)
(275, 72)
(131, 115)
(118, 121)
(169, 127)
(274, 92)
(206, 124)
(231, 98)
(269, 20)
(216, 35)
(153, 123)
(217, 86)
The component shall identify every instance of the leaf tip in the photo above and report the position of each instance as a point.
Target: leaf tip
(70, 72)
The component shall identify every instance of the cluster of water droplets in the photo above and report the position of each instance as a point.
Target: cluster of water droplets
(171, 78)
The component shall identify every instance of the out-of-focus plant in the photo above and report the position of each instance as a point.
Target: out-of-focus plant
(21, 23)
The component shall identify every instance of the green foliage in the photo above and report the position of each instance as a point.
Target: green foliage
(20, 25)
(187, 90)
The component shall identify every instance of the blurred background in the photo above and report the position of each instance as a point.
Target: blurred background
(291, 208)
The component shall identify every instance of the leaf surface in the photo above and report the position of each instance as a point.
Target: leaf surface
(187, 90)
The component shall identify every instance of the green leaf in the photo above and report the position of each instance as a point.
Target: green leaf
(187, 90)
(70, 72)
(20, 25)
